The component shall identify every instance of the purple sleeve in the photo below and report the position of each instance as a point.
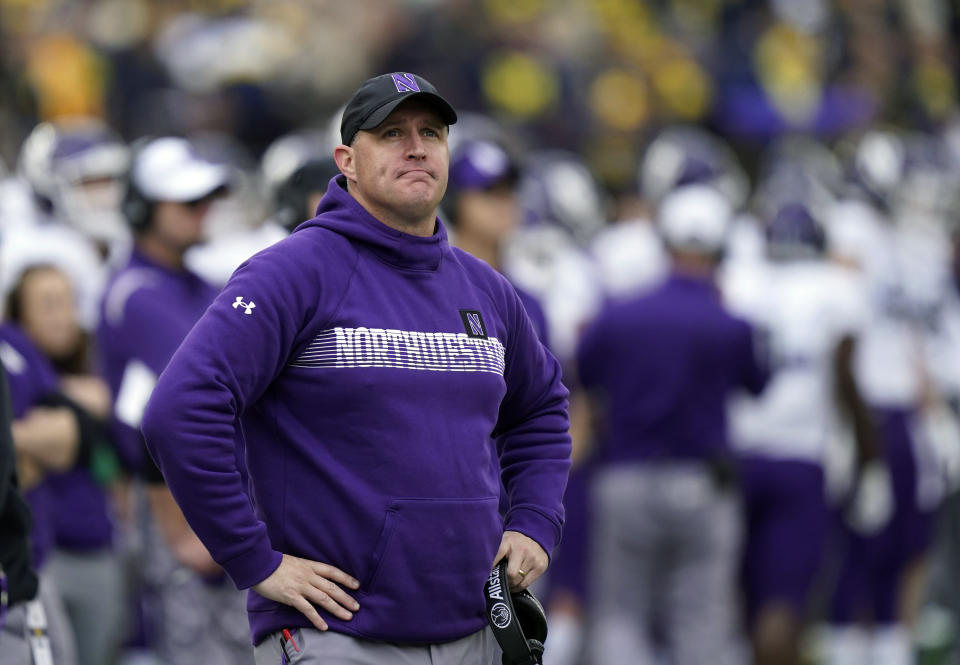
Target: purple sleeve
(224, 365)
(532, 433)
(34, 379)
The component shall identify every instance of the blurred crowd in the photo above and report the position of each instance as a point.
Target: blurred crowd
(592, 76)
(799, 159)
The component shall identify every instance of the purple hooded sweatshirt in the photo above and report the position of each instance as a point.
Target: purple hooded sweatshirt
(368, 370)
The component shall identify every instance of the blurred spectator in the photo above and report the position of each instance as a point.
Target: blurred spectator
(148, 307)
(666, 507)
(47, 438)
(66, 207)
(483, 209)
(567, 74)
(689, 91)
(83, 563)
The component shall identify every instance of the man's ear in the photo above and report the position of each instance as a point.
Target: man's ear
(343, 156)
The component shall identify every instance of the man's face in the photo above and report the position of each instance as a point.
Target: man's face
(180, 225)
(490, 214)
(49, 315)
(400, 168)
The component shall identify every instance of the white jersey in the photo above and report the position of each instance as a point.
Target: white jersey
(216, 259)
(17, 205)
(943, 349)
(803, 309)
(544, 261)
(907, 271)
(745, 241)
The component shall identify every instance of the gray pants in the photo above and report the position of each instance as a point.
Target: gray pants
(91, 586)
(42, 613)
(331, 648)
(62, 639)
(666, 550)
(198, 622)
(194, 621)
(14, 649)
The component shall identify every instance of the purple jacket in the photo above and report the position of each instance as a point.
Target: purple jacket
(663, 365)
(368, 369)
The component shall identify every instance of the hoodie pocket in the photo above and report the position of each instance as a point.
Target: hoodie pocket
(428, 568)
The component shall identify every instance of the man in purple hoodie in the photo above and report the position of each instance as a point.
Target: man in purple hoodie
(366, 364)
(665, 511)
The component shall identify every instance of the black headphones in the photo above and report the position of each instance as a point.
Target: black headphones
(517, 619)
(136, 207)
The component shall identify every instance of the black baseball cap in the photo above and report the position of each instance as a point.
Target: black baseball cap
(378, 96)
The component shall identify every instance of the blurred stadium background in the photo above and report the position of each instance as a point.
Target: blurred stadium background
(596, 79)
(594, 76)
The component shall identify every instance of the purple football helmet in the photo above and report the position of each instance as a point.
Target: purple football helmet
(76, 170)
(557, 187)
(682, 155)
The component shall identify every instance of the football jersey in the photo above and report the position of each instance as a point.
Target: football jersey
(545, 262)
(906, 271)
(802, 310)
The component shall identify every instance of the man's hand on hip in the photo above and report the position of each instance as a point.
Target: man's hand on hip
(302, 583)
(526, 560)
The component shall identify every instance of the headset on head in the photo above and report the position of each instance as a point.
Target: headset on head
(136, 207)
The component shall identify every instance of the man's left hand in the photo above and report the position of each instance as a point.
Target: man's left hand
(526, 560)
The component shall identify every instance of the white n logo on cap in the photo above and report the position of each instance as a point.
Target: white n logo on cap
(405, 82)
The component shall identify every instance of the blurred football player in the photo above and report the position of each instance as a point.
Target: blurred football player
(810, 314)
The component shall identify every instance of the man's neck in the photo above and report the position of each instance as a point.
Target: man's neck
(423, 227)
(159, 252)
(696, 265)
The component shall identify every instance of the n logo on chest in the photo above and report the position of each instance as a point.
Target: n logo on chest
(473, 323)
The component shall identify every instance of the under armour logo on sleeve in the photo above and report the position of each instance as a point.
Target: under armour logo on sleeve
(247, 306)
